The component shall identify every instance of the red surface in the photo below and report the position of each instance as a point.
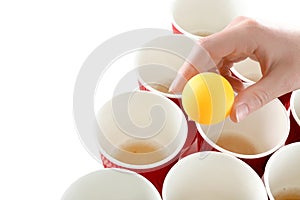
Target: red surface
(285, 100)
(175, 30)
(294, 135)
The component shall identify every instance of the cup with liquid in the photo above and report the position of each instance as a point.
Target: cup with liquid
(143, 132)
(157, 64)
(213, 176)
(254, 139)
(200, 18)
(112, 184)
(295, 117)
(282, 174)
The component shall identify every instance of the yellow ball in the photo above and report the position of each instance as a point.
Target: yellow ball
(207, 98)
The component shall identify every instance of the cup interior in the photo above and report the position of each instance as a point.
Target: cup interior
(159, 60)
(282, 170)
(141, 130)
(295, 105)
(212, 175)
(112, 184)
(259, 135)
(201, 17)
(247, 70)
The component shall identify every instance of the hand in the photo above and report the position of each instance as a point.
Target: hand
(277, 51)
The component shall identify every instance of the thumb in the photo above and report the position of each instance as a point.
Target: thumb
(254, 97)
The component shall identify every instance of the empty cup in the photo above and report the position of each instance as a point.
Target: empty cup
(199, 18)
(247, 70)
(112, 184)
(214, 176)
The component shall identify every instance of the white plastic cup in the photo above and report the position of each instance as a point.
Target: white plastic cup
(157, 64)
(141, 118)
(143, 132)
(214, 176)
(198, 18)
(248, 71)
(282, 174)
(112, 184)
(255, 138)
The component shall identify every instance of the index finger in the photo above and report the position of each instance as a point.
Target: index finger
(198, 61)
(230, 44)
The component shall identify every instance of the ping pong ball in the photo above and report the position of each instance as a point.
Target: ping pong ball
(207, 98)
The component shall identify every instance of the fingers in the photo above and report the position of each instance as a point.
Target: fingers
(254, 97)
(233, 43)
(186, 72)
(236, 83)
(237, 21)
(198, 61)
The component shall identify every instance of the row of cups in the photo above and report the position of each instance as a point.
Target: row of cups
(151, 149)
(206, 175)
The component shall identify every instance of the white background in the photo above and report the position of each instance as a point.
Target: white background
(42, 47)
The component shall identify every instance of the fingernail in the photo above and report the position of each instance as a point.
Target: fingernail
(241, 112)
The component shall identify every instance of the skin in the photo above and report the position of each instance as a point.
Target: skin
(277, 51)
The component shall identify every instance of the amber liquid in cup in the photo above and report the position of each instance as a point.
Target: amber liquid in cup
(288, 194)
(139, 152)
(160, 87)
(236, 143)
(202, 33)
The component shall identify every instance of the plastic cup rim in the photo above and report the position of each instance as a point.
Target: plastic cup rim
(151, 89)
(271, 160)
(247, 156)
(293, 110)
(231, 157)
(161, 163)
(132, 173)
